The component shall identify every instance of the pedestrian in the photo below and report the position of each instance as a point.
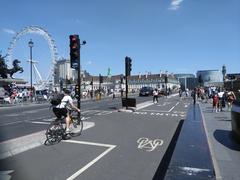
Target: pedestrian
(230, 98)
(194, 95)
(180, 93)
(91, 94)
(186, 92)
(220, 100)
(155, 95)
(113, 95)
(215, 102)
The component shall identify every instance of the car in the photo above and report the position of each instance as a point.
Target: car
(146, 91)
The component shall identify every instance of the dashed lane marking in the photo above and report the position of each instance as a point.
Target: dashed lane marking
(160, 114)
(39, 122)
(104, 113)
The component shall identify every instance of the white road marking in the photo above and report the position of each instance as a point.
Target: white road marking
(182, 114)
(104, 113)
(164, 104)
(85, 118)
(144, 104)
(80, 171)
(173, 107)
(11, 123)
(21, 144)
(155, 110)
(12, 114)
(44, 120)
(39, 122)
(91, 111)
(149, 145)
(139, 112)
(157, 114)
(49, 120)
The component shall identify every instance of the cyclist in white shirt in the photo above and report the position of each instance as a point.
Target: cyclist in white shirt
(62, 108)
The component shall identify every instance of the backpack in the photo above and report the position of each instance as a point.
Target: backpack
(56, 99)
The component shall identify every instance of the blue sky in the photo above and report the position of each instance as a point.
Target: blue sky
(180, 36)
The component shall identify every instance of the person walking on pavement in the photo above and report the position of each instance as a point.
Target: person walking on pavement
(113, 95)
(230, 98)
(155, 96)
(180, 93)
(194, 95)
(215, 102)
(221, 99)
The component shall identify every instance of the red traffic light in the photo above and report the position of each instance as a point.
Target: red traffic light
(73, 37)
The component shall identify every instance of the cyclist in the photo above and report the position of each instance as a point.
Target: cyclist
(63, 108)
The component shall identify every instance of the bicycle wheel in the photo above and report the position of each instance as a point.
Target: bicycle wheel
(53, 133)
(76, 126)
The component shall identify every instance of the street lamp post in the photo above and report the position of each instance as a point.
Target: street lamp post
(30, 44)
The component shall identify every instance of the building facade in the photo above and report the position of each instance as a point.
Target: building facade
(187, 81)
(135, 82)
(64, 72)
(209, 77)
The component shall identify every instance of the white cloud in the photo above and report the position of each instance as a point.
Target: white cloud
(9, 31)
(175, 4)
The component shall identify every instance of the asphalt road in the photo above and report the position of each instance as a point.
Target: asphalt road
(121, 145)
(22, 120)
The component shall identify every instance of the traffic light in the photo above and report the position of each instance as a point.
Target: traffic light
(100, 78)
(76, 90)
(74, 51)
(128, 66)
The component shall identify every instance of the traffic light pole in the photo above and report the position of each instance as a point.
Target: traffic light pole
(92, 89)
(99, 87)
(126, 91)
(79, 85)
(75, 47)
(128, 69)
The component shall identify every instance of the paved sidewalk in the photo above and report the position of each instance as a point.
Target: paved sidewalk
(224, 150)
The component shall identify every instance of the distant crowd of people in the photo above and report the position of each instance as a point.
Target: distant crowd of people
(13, 94)
(219, 97)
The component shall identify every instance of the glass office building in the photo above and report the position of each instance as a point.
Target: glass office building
(210, 77)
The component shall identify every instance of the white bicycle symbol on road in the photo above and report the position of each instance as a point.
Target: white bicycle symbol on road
(149, 145)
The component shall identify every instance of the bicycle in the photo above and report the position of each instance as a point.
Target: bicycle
(56, 130)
